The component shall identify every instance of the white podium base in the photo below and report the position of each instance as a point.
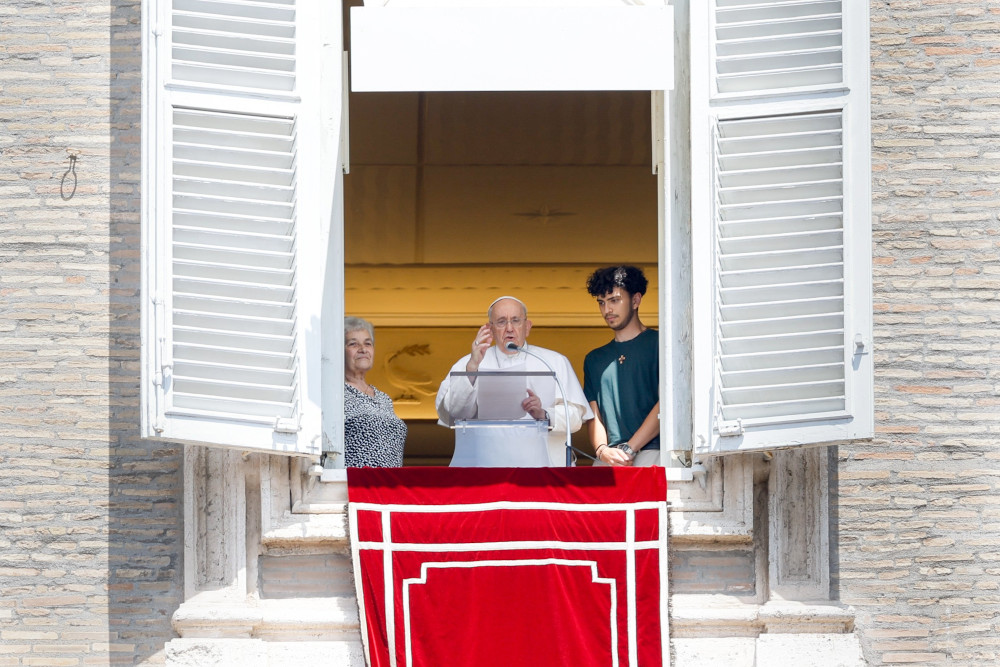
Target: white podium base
(500, 444)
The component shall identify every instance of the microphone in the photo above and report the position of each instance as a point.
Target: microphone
(512, 346)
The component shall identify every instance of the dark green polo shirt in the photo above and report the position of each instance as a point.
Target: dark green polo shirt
(624, 380)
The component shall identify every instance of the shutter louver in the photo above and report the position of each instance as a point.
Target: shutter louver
(780, 266)
(763, 46)
(233, 264)
(244, 44)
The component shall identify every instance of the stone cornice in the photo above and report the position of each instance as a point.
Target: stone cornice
(707, 616)
(300, 619)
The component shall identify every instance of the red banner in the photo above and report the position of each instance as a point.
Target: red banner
(511, 566)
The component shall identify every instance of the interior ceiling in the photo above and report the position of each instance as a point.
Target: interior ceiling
(455, 198)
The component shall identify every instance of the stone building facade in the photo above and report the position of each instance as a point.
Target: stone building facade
(92, 528)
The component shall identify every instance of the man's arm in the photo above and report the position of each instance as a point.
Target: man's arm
(479, 346)
(572, 395)
(599, 439)
(557, 416)
(456, 398)
(649, 429)
(595, 428)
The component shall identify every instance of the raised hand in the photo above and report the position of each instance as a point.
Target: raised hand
(484, 338)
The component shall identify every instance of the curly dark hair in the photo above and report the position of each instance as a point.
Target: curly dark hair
(629, 278)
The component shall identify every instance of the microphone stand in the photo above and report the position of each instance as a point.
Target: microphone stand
(511, 345)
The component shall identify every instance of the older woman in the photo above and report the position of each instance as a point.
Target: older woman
(373, 434)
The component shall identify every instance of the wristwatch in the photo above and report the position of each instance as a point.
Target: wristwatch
(625, 448)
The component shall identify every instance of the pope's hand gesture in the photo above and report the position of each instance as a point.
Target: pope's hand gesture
(479, 346)
(533, 406)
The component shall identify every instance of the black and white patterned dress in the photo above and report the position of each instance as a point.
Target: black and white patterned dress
(373, 434)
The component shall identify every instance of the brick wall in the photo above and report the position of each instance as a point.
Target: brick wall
(919, 508)
(725, 571)
(89, 515)
(306, 575)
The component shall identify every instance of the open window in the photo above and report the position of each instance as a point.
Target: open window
(242, 218)
(243, 203)
(483, 174)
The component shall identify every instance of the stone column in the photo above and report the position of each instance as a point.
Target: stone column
(799, 525)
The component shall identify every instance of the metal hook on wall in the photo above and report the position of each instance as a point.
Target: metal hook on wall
(71, 170)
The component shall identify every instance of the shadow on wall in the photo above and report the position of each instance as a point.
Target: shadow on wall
(145, 480)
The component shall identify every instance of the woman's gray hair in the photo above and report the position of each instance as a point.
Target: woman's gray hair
(357, 324)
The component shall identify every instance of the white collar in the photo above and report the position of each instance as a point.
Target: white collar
(504, 359)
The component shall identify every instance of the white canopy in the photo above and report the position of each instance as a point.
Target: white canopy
(448, 45)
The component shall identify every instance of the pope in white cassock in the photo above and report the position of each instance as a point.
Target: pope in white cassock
(457, 398)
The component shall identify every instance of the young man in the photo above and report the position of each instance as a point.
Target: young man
(621, 380)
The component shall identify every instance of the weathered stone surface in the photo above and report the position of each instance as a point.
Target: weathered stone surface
(803, 650)
(816, 650)
(259, 653)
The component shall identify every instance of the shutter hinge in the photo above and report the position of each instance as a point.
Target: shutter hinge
(287, 425)
(730, 429)
(160, 378)
(159, 381)
(860, 345)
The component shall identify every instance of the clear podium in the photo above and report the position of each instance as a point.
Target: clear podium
(499, 443)
(500, 436)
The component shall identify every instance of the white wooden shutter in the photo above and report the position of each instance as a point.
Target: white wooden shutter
(233, 222)
(781, 223)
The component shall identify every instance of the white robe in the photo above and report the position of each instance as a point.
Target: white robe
(456, 397)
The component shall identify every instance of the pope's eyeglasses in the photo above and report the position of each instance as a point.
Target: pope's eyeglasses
(503, 322)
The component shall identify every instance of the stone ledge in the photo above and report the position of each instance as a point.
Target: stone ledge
(299, 619)
(297, 529)
(696, 616)
(810, 650)
(258, 653)
(799, 617)
(804, 650)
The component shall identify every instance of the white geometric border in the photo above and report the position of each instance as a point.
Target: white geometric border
(388, 547)
(528, 562)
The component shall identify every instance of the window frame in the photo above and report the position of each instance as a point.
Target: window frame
(683, 244)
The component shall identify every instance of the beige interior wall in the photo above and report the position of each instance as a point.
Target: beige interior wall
(455, 198)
